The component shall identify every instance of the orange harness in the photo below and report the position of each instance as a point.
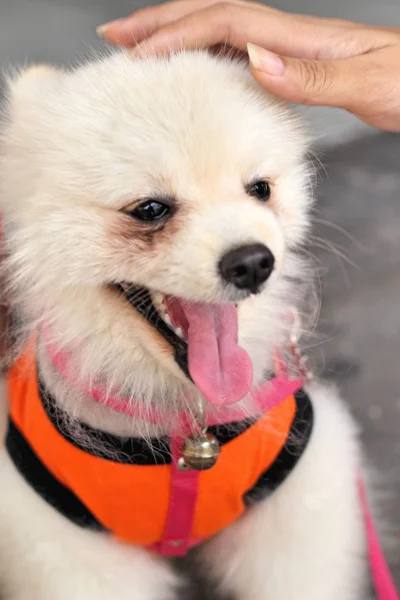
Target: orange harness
(124, 485)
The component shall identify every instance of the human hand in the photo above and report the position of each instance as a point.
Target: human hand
(307, 60)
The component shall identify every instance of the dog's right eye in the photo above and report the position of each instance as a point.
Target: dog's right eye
(151, 210)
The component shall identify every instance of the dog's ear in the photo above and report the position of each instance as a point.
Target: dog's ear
(26, 84)
(33, 75)
(25, 90)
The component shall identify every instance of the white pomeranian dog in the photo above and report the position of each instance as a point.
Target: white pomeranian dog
(153, 213)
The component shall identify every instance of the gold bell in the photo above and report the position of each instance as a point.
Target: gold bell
(200, 452)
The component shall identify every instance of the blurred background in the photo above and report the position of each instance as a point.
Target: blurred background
(357, 237)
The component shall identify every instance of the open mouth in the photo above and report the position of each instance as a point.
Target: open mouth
(204, 338)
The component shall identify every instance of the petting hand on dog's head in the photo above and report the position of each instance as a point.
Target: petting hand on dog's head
(303, 59)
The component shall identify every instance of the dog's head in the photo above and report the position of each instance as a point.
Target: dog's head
(152, 206)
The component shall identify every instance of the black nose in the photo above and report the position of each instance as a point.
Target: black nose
(247, 267)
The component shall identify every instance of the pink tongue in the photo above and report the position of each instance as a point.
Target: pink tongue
(222, 370)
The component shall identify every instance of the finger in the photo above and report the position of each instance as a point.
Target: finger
(343, 83)
(143, 23)
(210, 26)
(236, 24)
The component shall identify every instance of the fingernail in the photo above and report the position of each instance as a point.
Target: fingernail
(101, 29)
(266, 61)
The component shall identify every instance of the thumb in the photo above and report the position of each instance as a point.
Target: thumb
(312, 82)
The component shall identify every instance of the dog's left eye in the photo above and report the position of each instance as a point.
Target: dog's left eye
(151, 210)
(260, 189)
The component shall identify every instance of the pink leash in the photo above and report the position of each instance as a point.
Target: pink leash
(381, 576)
(176, 539)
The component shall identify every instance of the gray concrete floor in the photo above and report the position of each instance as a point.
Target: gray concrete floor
(358, 216)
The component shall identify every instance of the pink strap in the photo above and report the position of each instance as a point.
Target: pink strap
(182, 504)
(381, 576)
(270, 394)
(275, 391)
(62, 360)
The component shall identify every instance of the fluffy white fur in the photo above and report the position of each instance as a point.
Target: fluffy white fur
(78, 147)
